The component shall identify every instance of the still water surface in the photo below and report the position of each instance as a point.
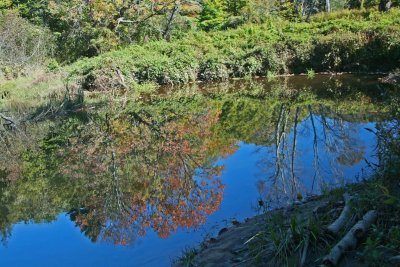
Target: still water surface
(99, 189)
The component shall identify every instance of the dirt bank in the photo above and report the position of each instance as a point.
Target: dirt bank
(307, 234)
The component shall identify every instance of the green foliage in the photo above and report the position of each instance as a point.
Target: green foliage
(187, 258)
(90, 28)
(337, 42)
(235, 7)
(287, 9)
(213, 15)
(310, 73)
(5, 4)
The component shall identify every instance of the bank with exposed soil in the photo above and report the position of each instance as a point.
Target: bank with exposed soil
(355, 226)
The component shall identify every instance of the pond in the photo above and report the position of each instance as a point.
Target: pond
(101, 187)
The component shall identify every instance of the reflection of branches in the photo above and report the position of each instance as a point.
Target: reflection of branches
(154, 180)
(116, 184)
(278, 139)
(331, 138)
(294, 147)
(13, 140)
(280, 181)
(315, 148)
(388, 146)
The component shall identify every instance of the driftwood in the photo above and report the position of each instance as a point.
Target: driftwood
(305, 249)
(395, 260)
(344, 217)
(391, 78)
(350, 240)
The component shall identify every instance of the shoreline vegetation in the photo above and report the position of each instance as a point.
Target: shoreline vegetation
(355, 225)
(35, 85)
(329, 43)
(358, 41)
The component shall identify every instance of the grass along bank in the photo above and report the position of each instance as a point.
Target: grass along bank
(358, 41)
(300, 235)
(29, 91)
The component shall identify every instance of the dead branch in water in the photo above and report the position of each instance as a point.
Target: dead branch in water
(350, 240)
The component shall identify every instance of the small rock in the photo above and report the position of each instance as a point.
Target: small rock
(212, 240)
(235, 223)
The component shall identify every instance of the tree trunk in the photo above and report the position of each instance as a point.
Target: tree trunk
(385, 5)
(167, 31)
(328, 6)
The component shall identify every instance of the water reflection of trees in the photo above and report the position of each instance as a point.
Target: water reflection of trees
(332, 145)
(143, 172)
(153, 167)
(120, 177)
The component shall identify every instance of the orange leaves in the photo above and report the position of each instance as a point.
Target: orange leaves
(139, 173)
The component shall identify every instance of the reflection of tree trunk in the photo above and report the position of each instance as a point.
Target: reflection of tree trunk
(283, 138)
(294, 147)
(280, 181)
(277, 141)
(116, 183)
(315, 147)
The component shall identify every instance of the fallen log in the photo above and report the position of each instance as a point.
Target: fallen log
(395, 260)
(344, 217)
(305, 249)
(350, 240)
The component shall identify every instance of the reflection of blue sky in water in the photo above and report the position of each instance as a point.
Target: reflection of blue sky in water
(60, 243)
(334, 159)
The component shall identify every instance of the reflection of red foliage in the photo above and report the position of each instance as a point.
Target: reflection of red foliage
(164, 178)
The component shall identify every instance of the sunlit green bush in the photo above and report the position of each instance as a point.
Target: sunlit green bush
(336, 42)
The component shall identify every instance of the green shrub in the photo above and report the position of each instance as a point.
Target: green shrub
(342, 41)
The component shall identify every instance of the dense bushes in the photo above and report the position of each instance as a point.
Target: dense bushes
(359, 41)
(22, 44)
